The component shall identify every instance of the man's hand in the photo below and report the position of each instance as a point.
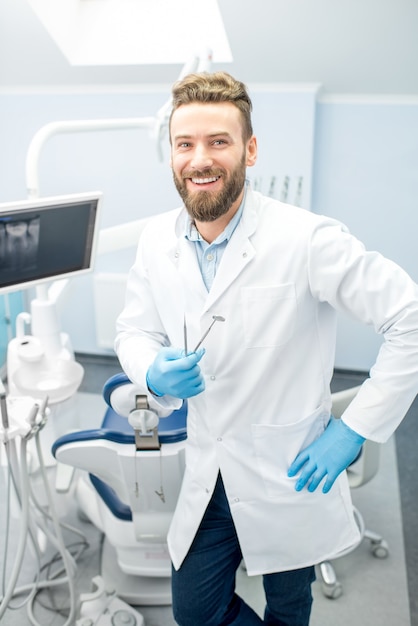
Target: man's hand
(174, 374)
(329, 455)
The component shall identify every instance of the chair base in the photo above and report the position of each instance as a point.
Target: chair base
(331, 586)
(135, 590)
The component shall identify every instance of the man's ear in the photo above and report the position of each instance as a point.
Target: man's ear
(251, 151)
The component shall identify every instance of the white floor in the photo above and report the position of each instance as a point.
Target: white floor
(374, 590)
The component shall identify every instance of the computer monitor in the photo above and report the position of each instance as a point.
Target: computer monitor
(47, 238)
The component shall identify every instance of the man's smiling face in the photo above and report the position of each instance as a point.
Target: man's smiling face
(209, 158)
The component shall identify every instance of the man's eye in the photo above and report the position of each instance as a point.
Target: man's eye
(219, 142)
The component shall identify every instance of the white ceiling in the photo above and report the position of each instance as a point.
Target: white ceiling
(349, 46)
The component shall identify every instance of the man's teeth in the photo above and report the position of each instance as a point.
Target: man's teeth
(202, 181)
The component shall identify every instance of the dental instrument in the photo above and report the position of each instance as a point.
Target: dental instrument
(185, 335)
(3, 407)
(285, 189)
(215, 318)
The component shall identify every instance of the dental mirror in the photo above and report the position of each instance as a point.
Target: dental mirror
(215, 318)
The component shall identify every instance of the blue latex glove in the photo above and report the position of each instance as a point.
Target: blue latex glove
(174, 374)
(329, 455)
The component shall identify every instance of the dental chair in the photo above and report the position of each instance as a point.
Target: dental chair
(360, 472)
(128, 486)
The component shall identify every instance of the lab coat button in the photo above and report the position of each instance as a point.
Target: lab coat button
(213, 377)
(236, 499)
(219, 438)
(244, 254)
(177, 254)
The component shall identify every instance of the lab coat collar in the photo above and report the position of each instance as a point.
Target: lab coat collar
(238, 253)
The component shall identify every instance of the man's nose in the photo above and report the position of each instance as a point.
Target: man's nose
(201, 157)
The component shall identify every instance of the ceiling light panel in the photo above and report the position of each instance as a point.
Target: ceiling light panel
(134, 32)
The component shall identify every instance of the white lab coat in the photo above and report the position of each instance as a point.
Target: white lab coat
(283, 275)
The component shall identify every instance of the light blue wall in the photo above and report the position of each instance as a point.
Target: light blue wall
(365, 172)
(366, 175)
(123, 164)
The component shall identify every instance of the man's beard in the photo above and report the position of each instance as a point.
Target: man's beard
(207, 206)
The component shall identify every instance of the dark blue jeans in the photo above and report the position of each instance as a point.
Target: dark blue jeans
(204, 586)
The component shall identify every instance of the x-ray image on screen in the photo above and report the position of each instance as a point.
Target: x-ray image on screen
(19, 243)
(47, 238)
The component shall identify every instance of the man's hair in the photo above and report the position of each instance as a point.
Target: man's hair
(217, 87)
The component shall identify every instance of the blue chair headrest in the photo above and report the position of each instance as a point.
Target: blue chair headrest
(112, 383)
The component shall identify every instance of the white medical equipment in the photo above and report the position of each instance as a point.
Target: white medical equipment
(23, 419)
(40, 240)
(132, 471)
(102, 607)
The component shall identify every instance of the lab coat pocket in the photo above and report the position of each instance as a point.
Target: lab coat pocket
(268, 315)
(276, 447)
